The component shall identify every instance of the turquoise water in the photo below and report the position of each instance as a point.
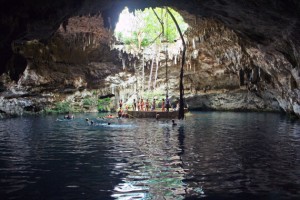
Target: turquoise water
(209, 155)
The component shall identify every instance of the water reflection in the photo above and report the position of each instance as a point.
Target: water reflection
(213, 155)
(151, 164)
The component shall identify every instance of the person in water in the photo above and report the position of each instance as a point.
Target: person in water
(110, 116)
(69, 116)
(157, 116)
(120, 112)
(173, 122)
(90, 122)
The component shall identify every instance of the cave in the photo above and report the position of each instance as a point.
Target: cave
(240, 67)
(52, 47)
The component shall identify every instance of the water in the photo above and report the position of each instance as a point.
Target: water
(210, 155)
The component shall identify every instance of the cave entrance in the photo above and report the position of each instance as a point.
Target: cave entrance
(151, 33)
(140, 29)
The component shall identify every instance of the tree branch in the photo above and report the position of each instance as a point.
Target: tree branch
(181, 105)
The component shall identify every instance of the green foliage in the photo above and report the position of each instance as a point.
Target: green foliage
(87, 102)
(141, 28)
(103, 104)
(60, 107)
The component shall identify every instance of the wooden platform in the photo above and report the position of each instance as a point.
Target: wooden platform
(152, 114)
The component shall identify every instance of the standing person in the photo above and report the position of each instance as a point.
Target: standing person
(121, 104)
(163, 105)
(153, 105)
(167, 103)
(134, 105)
(147, 105)
(142, 105)
(139, 104)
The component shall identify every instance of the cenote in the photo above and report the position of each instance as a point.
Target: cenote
(208, 155)
(139, 58)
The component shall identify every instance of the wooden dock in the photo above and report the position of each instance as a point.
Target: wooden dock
(152, 114)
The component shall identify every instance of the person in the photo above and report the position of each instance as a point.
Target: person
(90, 122)
(157, 116)
(153, 105)
(139, 104)
(120, 113)
(147, 105)
(173, 122)
(69, 116)
(134, 105)
(163, 105)
(142, 105)
(109, 116)
(120, 104)
(167, 103)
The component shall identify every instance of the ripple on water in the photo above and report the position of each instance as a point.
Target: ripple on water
(209, 154)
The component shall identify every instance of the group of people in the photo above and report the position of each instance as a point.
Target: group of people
(141, 105)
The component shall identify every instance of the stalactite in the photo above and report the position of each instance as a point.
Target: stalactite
(143, 73)
(123, 63)
(194, 45)
(157, 65)
(150, 76)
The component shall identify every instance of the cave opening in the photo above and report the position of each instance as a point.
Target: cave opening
(142, 28)
(150, 34)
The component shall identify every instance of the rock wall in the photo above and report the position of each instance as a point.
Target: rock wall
(77, 59)
(238, 57)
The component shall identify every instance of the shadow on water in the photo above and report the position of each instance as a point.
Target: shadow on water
(210, 155)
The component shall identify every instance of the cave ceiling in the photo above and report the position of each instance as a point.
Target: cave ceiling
(270, 23)
(263, 21)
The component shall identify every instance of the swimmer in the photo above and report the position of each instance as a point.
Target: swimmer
(157, 116)
(69, 116)
(90, 122)
(173, 122)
